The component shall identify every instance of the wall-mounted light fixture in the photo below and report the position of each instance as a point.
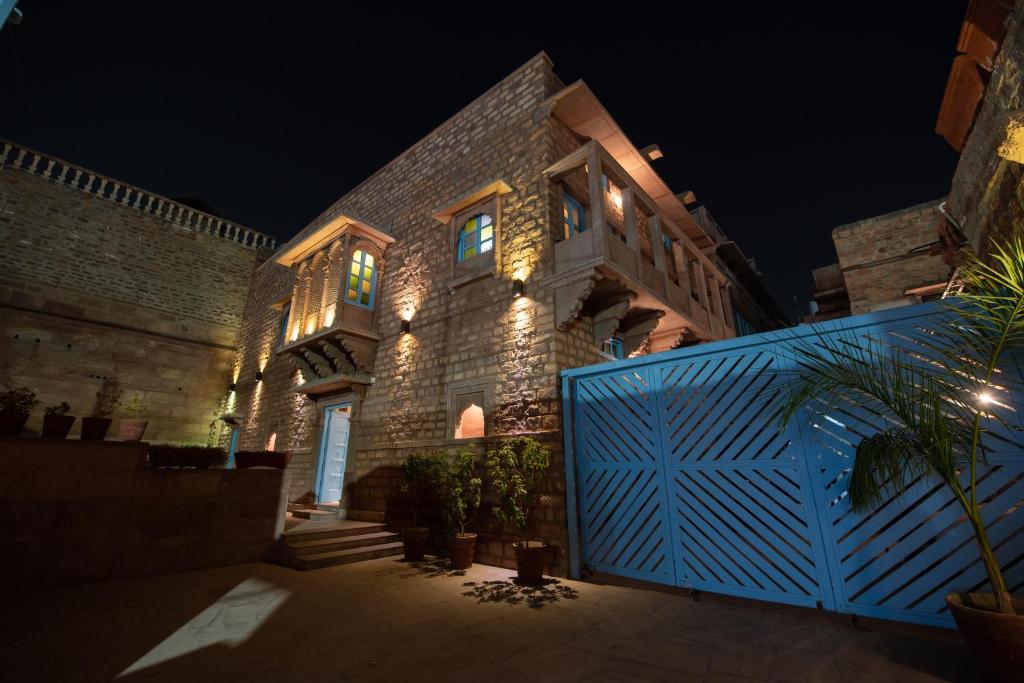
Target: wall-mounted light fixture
(259, 375)
(231, 387)
(517, 288)
(406, 326)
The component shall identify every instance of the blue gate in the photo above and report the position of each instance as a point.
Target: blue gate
(678, 472)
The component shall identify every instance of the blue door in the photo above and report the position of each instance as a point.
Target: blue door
(330, 477)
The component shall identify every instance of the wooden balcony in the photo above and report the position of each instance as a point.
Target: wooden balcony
(623, 243)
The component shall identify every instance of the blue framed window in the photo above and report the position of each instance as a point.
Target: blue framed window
(284, 322)
(572, 216)
(476, 236)
(613, 347)
(362, 280)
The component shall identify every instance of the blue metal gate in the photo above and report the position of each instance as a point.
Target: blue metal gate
(678, 472)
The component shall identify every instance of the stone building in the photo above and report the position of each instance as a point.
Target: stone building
(754, 308)
(434, 305)
(986, 200)
(107, 291)
(910, 255)
(884, 261)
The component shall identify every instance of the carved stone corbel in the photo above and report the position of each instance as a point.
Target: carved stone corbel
(639, 332)
(570, 297)
(336, 353)
(321, 364)
(307, 372)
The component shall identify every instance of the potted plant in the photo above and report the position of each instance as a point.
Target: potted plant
(419, 473)
(94, 427)
(458, 491)
(132, 428)
(517, 469)
(56, 421)
(15, 407)
(940, 418)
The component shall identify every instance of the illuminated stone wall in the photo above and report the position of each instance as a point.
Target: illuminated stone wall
(475, 332)
(874, 256)
(987, 197)
(96, 291)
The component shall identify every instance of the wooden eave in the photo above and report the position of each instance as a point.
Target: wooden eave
(307, 243)
(578, 108)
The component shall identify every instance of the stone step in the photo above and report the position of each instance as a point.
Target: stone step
(364, 515)
(317, 515)
(311, 531)
(336, 557)
(322, 545)
(339, 511)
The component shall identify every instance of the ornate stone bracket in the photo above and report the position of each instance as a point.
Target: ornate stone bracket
(607, 320)
(570, 297)
(308, 374)
(320, 364)
(339, 355)
(639, 332)
(361, 352)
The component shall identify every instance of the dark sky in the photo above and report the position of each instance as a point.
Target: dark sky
(786, 121)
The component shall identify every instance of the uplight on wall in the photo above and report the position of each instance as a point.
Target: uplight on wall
(517, 287)
(259, 375)
(406, 326)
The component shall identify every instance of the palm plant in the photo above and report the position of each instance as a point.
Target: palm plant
(937, 402)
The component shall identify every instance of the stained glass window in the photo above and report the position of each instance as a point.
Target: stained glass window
(476, 236)
(362, 277)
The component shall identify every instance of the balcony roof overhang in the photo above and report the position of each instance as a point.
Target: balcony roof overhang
(308, 242)
(578, 108)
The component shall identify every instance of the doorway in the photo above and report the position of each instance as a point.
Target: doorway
(330, 476)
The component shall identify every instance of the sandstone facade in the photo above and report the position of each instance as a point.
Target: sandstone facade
(886, 261)
(469, 332)
(107, 288)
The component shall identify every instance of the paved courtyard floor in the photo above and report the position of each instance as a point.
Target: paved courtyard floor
(385, 620)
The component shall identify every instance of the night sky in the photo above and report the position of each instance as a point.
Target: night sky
(785, 121)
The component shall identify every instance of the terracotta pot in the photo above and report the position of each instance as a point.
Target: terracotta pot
(415, 540)
(462, 548)
(996, 640)
(530, 557)
(57, 426)
(131, 430)
(95, 428)
(11, 423)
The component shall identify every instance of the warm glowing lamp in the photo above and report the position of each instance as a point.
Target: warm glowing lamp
(259, 375)
(517, 287)
(406, 326)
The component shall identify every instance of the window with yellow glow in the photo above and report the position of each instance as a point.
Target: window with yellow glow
(476, 236)
(362, 280)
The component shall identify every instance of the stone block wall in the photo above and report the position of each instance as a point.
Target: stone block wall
(74, 511)
(95, 291)
(987, 196)
(462, 334)
(875, 260)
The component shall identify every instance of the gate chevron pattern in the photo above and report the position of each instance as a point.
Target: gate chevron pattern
(621, 481)
(684, 477)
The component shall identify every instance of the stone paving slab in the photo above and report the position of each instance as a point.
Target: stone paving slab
(386, 620)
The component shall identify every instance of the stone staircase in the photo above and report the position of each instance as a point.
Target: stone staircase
(316, 544)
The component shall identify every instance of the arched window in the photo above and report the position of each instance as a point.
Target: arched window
(362, 280)
(476, 236)
(471, 422)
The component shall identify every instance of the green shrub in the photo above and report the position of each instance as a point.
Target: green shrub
(58, 410)
(19, 401)
(420, 473)
(182, 457)
(458, 489)
(517, 469)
